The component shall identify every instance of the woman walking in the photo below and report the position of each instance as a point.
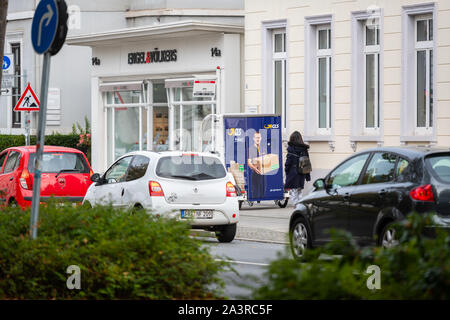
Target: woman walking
(295, 180)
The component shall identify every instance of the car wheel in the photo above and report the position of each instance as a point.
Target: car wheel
(299, 237)
(226, 233)
(282, 203)
(388, 237)
(13, 203)
(240, 204)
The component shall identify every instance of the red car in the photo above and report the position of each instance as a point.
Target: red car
(65, 174)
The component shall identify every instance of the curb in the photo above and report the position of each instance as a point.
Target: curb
(262, 235)
(250, 234)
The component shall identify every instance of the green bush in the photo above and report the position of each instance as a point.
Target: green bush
(121, 254)
(418, 268)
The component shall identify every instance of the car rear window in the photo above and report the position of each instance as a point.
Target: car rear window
(53, 162)
(190, 168)
(440, 166)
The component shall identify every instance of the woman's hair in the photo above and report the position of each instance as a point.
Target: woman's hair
(296, 138)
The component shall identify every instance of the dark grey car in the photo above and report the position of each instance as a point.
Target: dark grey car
(369, 191)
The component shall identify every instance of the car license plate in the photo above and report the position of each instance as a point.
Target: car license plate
(197, 214)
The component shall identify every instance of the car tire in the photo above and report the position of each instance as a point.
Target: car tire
(387, 238)
(13, 203)
(240, 204)
(226, 233)
(299, 238)
(282, 203)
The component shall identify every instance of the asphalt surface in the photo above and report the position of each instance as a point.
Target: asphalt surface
(264, 222)
(248, 259)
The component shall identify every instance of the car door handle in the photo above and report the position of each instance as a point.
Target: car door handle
(11, 179)
(382, 192)
(346, 196)
(123, 191)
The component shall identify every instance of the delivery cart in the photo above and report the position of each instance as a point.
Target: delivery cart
(251, 148)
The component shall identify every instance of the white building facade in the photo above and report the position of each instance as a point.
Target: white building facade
(130, 67)
(143, 81)
(350, 75)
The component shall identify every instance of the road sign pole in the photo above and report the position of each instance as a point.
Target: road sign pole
(40, 147)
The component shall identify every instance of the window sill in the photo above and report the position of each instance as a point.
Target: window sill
(427, 138)
(324, 138)
(367, 138)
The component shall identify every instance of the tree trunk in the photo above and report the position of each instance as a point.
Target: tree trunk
(3, 14)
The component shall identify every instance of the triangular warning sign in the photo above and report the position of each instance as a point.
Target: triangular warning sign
(28, 101)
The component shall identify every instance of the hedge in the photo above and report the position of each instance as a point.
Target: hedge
(418, 268)
(121, 255)
(63, 140)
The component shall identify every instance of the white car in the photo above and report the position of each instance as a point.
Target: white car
(183, 185)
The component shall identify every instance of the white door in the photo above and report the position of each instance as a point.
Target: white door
(112, 190)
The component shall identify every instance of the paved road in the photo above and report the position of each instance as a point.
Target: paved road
(264, 221)
(248, 258)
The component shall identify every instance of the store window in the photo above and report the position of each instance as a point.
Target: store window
(189, 116)
(136, 118)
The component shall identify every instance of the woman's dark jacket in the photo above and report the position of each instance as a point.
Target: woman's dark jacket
(294, 180)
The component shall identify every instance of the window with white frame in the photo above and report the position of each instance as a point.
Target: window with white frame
(279, 72)
(424, 73)
(323, 66)
(371, 75)
(419, 39)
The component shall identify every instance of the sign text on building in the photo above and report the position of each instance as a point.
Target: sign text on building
(152, 56)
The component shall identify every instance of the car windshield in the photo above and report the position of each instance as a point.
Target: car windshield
(190, 167)
(54, 162)
(440, 166)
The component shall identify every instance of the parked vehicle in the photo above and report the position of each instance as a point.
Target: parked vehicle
(192, 186)
(371, 190)
(65, 174)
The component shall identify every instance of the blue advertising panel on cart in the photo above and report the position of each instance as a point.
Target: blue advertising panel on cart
(253, 154)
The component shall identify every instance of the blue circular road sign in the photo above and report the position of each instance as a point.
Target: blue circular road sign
(6, 63)
(44, 26)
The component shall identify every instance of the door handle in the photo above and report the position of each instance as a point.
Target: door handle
(346, 196)
(123, 191)
(11, 179)
(382, 192)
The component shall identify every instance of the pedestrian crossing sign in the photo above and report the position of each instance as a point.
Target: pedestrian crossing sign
(28, 101)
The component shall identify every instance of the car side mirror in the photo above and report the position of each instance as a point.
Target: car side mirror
(319, 184)
(95, 177)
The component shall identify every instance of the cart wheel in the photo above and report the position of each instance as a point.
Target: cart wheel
(240, 204)
(282, 203)
(250, 203)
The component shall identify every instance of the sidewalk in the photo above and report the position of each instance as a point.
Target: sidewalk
(264, 222)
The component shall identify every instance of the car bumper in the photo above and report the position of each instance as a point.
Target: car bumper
(225, 213)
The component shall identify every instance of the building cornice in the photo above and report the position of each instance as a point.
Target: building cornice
(176, 29)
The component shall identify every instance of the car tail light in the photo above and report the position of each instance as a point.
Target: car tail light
(91, 173)
(155, 189)
(231, 190)
(422, 193)
(25, 179)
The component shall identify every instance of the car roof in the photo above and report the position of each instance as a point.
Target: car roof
(160, 154)
(29, 149)
(410, 151)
